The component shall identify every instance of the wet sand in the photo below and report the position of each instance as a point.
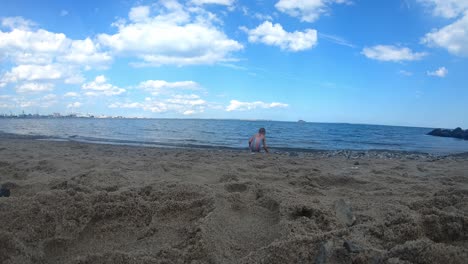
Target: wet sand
(84, 203)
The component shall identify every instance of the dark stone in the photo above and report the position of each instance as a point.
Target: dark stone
(351, 247)
(4, 192)
(356, 163)
(456, 133)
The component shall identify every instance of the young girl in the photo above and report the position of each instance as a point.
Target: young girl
(258, 140)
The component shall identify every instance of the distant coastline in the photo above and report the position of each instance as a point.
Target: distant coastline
(58, 115)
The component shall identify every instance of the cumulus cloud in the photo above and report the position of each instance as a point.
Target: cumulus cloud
(176, 97)
(32, 72)
(23, 45)
(43, 102)
(235, 105)
(186, 106)
(37, 54)
(216, 2)
(453, 38)
(446, 8)
(74, 105)
(156, 87)
(17, 23)
(85, 52)
(71, 94)
(174, 35)
(31, 87)
(63, 13)
(441, 72)
(259, 16)
(7, 101)
(21, 101)
(100, 86)
(139, 13)
(275, 35)
(391, 53)
(307, 10)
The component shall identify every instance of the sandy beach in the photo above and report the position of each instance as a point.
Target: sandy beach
(88, 203)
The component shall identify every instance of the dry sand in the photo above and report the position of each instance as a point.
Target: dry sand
(83, 203)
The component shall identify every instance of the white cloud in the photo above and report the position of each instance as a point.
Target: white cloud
(260, 16)
(139, 13)
(244, 106)
(74, 105)
(217, 2)
(307, 10)
(44, 102)
(63, 13)
(17, 23)
(453, 37)
(391, 53)
(24, 46)
(126, 105)
(405, 73)
(74, 79)
(30, 87)
(71, 94)
(85, 53)
(37, 54)
(189, 112)
(40, 42)
(190, 102)
(49, 97)
(447, 8)
(175, 97)
(100, 87)
(32, 72)
(441, 72)
(173, 104)
(156, 87)
(23, 102)
(175, 35)
(246, 12)
(275, 35)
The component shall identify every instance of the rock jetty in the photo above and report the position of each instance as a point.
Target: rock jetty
(455, 133)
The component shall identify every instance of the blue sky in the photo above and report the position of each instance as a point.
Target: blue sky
(401, 62)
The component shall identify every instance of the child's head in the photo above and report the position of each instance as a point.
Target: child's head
(262, 131)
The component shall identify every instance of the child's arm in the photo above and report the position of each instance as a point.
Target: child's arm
(250, 141)
(265, 146)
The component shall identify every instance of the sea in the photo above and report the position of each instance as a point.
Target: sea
(234, 134)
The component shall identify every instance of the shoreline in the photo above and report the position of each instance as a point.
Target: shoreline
(87, 203)
(302, 151)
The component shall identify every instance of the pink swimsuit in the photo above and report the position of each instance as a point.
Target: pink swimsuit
(256, 142)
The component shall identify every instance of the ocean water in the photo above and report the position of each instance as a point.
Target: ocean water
(282, 136)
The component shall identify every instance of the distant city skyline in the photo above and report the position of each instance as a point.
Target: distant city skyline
(398, 62)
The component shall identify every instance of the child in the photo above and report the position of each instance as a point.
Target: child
(257, 141)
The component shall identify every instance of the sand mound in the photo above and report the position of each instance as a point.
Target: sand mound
(71, 224)
(73, 203)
